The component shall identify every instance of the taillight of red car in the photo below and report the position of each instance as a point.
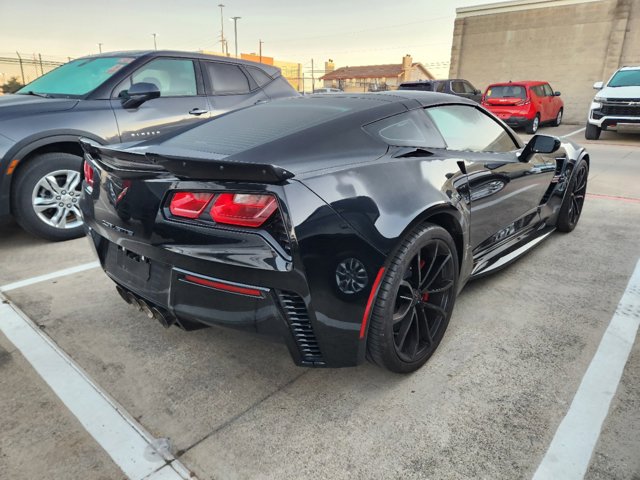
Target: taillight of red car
(241, 209)
(88, 172)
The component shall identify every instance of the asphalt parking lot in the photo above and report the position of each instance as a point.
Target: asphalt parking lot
(487, 405)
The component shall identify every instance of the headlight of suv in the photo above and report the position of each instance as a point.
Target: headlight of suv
(596, 103)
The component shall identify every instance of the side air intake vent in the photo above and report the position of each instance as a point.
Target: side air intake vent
(275, 227)
(296, 312)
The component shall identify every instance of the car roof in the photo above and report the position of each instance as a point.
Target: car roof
(410, 98)
(522, 83)
(631, 67)
(271, 70)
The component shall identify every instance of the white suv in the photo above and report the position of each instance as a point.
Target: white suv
(617, 105)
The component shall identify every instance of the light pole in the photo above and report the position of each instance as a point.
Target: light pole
(155, 45)
(100, 47)
(235, 31)
(260, 42)
(221, 5)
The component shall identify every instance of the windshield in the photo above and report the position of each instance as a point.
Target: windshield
(506, 91)
(77, 78)
(626, 78)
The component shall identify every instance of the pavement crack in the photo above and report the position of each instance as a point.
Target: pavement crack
(238, 415)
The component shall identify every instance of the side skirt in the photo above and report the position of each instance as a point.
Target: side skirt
(494, 264)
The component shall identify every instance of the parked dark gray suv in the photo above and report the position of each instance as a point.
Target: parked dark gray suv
(110, 98)
(454, 86)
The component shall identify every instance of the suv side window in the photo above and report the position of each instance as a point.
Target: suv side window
(173, 77)
(457, 87)
(440, 86)
(259, 76)
(547, 90)
(226, 79)
(464, 127)
(468, 88)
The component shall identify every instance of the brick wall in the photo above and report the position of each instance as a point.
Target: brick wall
(570, 46)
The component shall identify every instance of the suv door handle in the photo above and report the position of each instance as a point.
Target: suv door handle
(197, 111)
(261, 101)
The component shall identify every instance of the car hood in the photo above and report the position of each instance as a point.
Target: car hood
(619, 92)
(15, 105)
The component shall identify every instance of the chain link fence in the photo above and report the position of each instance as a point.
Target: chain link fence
(18, 69)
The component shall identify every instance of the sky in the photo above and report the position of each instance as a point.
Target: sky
(355, 32)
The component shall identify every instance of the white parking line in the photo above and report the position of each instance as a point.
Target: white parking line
(573, 133)
(129, 445)
(570, 451)
(49, 276)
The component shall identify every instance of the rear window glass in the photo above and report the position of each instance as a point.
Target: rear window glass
(506, 91)
(244, 129)
(411, 129)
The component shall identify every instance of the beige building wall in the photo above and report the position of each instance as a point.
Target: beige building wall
(569, 43)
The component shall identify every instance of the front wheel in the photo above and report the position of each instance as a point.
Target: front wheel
(414, 301)
(532, 127)
(573, 201)
(45, 196)
(592, 132)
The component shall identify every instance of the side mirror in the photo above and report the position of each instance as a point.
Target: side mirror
(476, 92)
(139, 93)
(556, 94)
(598, 85)
(539, 144)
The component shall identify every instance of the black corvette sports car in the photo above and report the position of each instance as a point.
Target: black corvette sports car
(345, 225)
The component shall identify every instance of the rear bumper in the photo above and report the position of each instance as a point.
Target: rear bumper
(273, 303)
(516, 122)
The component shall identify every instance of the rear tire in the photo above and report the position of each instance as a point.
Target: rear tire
(558, 120)
(533, 126)
(414, 301)
(45, 195)
(592, 132)
(573, 201)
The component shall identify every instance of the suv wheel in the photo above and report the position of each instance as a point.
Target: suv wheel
(592, 132)
(45, 196)
(535, 123)
(558, 119)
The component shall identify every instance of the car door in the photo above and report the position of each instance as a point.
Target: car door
(230, 86)
(182, 99)
(552, 101)
(504, 192)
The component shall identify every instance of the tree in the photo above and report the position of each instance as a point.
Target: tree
(11, 86)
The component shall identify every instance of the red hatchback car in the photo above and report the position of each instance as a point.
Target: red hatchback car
(524, 104)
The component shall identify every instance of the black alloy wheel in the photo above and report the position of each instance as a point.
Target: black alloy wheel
(573, 202)
(415, 301)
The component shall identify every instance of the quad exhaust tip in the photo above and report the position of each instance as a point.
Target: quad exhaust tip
(149, 310)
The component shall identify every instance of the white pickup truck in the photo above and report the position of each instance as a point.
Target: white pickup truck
(617, 105)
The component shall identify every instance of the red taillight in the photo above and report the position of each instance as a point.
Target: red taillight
(88, 173)
(243, 209)
(189, 204)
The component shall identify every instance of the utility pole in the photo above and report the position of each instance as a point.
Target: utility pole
(21, 68)
(235, 31)
(221, 5)
(41, 68)
(260, 42)
(155, 45)
(313, 79)
(100, 47)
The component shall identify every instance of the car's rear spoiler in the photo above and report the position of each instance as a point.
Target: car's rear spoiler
(185, 167)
